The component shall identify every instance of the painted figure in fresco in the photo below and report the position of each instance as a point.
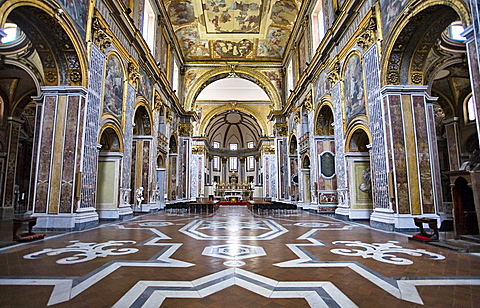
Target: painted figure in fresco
(353, 89)
(366, 186)
(284, 12)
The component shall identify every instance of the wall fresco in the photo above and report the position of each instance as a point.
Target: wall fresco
(354, 94)
(233, 49)
(232, 16)
(390, 10)
(145, 86)
(78, 11)
(113, 91)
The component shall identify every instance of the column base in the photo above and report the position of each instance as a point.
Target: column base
(397, 222)
(6, 212)
(122, 213)
(66, 222)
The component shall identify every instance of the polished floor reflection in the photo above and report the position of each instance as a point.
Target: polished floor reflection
(236, 258)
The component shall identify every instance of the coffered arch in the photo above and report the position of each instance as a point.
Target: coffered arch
(223, 72)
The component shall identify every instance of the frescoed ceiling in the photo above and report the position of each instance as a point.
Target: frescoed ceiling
(233, 29)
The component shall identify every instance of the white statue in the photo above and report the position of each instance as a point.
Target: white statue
(139, 195)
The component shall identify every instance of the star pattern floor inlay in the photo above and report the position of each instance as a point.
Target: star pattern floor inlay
(236, 258)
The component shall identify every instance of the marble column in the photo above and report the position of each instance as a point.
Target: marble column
(59, 160)
(412, 139)
(13, 131)
(453, 142)
(472, 34)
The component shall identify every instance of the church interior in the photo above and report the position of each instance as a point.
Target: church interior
(250, 153)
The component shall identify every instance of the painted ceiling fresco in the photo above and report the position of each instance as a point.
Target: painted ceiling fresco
(233, 29)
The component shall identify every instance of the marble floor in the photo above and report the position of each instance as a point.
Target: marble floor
(234, 258)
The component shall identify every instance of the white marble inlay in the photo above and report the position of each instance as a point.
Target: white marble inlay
(383, 252)
(85, 251)
(234, 251)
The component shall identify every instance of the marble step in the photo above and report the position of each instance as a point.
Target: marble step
(467, 245)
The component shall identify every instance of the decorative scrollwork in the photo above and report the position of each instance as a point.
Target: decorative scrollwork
(334, 74)
(100, 37)
(85, 251)
(383, 252)
(133, 74)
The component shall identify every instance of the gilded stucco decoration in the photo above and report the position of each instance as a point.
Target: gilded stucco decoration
(185, 129)
(307, 103)
(367, 37)
(281, 129)
(158, 102)
(334, 74)
(133, 74)
(100, 36)
(230, 29)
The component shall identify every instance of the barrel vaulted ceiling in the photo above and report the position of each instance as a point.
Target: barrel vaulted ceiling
(250, 30)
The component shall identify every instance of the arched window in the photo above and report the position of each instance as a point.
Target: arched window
(471, 114)
(318, 25)
(455, 31)
(149, 25)
(12, 33)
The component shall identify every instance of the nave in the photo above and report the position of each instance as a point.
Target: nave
(235, 258)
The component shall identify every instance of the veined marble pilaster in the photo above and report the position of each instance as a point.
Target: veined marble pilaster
(340, 164)
(13, 132)
(127, 149)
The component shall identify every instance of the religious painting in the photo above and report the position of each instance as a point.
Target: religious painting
(191, 44)
(228, 16)
(275, 43)
(322, 86)
(233, 49)
(78, 11)
(353, 90)
(145, 86)
(284, 12)
(363, 182)
(302, 56)
(181, 12)
(390, 11)
(113, 91)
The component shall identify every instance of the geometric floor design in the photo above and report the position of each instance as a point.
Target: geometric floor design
(235, 258)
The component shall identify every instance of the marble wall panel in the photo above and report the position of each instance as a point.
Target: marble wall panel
(399, 152)
(377, 129)
(452, 142)
(132, 167)
(45, 154)
(436, 174)
(92, 116)
(13, 133)
(146, 169)
(423, 153)
(389, 148)
(69, 154)
(172, 183)
(128, 137)
(340, 164)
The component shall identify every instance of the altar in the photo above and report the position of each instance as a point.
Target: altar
(233, 195)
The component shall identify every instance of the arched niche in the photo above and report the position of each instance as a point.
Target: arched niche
(54, 36)
(110, 140)
(143, 123)
(172, 145)
(324, 120)
(414, 36)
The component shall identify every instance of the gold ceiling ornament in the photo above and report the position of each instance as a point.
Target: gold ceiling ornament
(100, 37)
(367, 37)
(133, 74)
(281, 129)
(185, 129)
(393, 78)
(334, 74)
